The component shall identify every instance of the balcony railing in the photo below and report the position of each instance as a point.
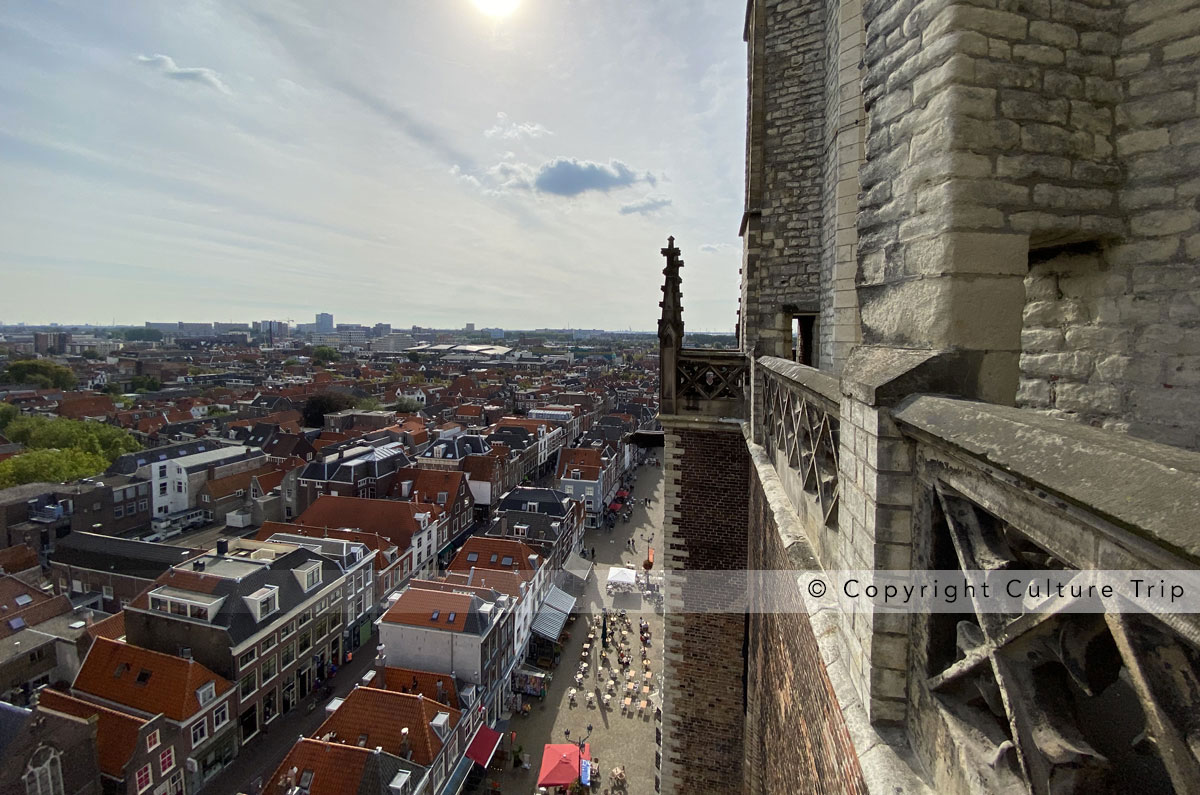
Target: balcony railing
(800, 408)
(1011, 489)
(710, 382)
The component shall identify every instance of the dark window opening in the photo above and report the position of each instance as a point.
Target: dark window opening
(804, 344)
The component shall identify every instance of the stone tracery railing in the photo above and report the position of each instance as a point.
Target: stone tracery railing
(710, 381)
(800, 420)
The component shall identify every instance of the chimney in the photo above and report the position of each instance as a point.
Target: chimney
(404, 749)
(222, 546)
(197, 565)
(471, 576)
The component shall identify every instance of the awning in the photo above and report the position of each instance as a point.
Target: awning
(577, 567)
(620, 574)
(484, 745)
(560, 764)
(549, 623)
(623, 493)
(560, 600)
(614, 506)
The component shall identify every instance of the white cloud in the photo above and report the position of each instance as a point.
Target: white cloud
(506, 128)
(647, 206)
(165, 65)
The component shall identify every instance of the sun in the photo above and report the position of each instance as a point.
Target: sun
(497, 8)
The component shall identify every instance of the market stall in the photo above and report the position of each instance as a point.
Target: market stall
(621, 580)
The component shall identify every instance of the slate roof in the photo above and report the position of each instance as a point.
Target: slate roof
(132, 558)
(112, 671)
(12, 720)
(129, 463)
(550, 501)
(457, 447)
(232, 615)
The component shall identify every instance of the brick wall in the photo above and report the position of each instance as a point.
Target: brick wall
(790, 695)
(705, 504)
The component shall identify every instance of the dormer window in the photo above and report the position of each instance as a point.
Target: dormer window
(309, 576)
(206, 693)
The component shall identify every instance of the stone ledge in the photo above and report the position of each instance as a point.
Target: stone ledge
(884, 754)
(808, 378)
(1151, 490)
(678, 422)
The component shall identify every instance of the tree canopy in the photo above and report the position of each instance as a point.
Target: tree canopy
(54, 466)
(45, 374)
(322, 403)
(8, 413)
(406, 404)
(324, 354)
(95, 438)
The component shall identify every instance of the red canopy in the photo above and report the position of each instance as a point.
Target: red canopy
(560, 764)
(615, 506)
(623, 493)
(483, 746)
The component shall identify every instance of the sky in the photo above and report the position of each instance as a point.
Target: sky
(406, 162)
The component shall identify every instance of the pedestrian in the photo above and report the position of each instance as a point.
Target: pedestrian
(593, 553)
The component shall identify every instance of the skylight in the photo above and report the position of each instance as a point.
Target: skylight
(450, 618)
(507, 561)
(472, 557)
(16, 623)
(435, 615)
(143, 676)
(24, 599)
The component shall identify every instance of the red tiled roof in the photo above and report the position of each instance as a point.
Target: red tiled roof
(506, 582)
(429, 483)
(112, 669)
(116, 732)
(491, 551)
(416, 607)
(381, 715)
(389, 518)
(402, 679)
(112, 627)
(336, 769)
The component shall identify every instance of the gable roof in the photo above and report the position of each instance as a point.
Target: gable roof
(112, 671)
(481, 552)
(220, 488)
(372, 718)
(391, 519)
(336, 769)
(417, 607)
(429, 483)
(116, 732)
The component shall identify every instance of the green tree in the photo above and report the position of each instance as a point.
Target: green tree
(144, 383)
(143, 335)
(8, 413)
(414, 357)
(53, 466)
(368, 404)
(40, 433)
(322, 403)
(406, 404)
(91, 353)
(324, 354)
(112, 389)
(291, 362)
(46, 375)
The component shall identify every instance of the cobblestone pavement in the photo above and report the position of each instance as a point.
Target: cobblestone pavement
(616, 738)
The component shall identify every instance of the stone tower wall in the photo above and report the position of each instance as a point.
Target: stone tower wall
(781, 270)
(1111, 331)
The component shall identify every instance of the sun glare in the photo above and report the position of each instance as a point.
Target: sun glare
(497, 8)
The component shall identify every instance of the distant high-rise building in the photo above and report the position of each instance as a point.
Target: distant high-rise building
(382, 329)
(470, 328)
(273, 329)
(324, 322)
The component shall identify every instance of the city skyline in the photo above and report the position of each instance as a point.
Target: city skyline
(227, 162)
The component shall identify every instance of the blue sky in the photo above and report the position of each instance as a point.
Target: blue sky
(410, 162)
